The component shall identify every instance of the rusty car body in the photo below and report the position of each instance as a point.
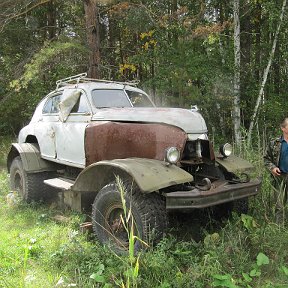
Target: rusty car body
(87, 132)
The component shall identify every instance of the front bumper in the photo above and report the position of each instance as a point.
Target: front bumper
(220, 192)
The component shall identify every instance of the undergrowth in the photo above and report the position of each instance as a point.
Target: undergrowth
(5, 143)
(41, 246)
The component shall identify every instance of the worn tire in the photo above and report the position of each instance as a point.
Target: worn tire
(240, 206)
(147, 210)
(225, 210)
(30, 186)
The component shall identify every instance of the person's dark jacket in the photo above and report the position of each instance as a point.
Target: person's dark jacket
(272, 155)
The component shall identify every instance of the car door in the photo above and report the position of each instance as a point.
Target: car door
(74, 115)
(45, 128)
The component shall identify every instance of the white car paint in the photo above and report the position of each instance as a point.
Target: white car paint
(61, 135)
(190, 121)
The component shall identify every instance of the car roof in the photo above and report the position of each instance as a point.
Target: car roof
(89, 86)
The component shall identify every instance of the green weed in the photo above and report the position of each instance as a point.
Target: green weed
(36, 250)
(131, 261)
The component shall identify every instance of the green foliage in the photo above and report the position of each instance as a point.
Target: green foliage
(55, 60)
(247, 278)
(227, 280)
(37, 251)
(132, 272)
(182, 53)
(44, 61)
(223, 281)
(5, 143)
(248, 222)
(262, 259)
(188, 59)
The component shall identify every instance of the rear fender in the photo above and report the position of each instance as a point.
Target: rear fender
(30, 156)
(148, 174)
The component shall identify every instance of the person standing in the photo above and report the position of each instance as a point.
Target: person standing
(276, 161)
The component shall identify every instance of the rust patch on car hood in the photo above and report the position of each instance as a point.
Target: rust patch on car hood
(189, 121)
(115, 140)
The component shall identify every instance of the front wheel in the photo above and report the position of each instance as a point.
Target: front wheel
(117, 215)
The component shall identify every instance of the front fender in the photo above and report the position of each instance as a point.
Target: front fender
(149, 174)
(235, 165)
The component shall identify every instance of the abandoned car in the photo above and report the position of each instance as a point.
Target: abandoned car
(104, 146)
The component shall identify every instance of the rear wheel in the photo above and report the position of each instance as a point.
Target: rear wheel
(30, 186)
(115, 218)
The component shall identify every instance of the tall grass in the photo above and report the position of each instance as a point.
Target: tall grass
(36, 250)
(132, 260)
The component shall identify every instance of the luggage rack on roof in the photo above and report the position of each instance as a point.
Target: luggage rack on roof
(81, 78)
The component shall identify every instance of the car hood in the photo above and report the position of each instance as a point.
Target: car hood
(191, 122)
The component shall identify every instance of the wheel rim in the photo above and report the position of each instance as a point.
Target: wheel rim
(117, 227)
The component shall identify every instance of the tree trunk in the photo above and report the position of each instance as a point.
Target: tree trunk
(257, 28)
(51, 20)
(246, 74)
(265, 74)
(93, 37)
(237, 62)
(276, 68)
(219, 17)
(111, 44)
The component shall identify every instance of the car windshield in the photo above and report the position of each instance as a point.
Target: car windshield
(118, 98)
(139, 99)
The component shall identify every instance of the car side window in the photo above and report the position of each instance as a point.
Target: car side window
(81, 105)
(51, 106)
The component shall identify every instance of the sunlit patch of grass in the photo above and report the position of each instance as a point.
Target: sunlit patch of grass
(29, 238)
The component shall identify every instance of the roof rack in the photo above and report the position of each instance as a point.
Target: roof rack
(131, 83)
(70, 80)
(81, 78)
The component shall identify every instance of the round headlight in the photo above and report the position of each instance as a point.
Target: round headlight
(172, 155)
(226, 149)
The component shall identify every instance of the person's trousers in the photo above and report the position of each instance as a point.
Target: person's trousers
(280, 184)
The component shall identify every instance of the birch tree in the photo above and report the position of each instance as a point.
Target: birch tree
(236, 102)
(265, 74)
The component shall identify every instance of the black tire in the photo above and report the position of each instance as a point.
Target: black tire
(30, 186)
(240, 206)
(224, 211)
(147, 210)
(221, 211)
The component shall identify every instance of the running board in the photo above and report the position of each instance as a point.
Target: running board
(60, 183)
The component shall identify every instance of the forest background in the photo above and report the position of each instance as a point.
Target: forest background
(227, 57)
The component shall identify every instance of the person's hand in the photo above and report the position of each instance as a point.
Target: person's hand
(276, 171)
